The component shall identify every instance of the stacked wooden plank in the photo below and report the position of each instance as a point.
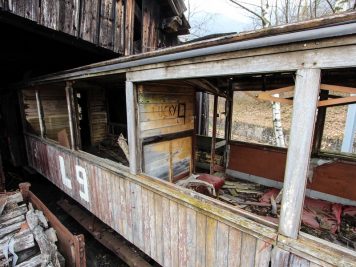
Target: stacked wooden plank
(25, 236)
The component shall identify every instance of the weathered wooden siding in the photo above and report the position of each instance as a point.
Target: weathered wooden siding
(165, 109)
(167, 229)
(98, 21)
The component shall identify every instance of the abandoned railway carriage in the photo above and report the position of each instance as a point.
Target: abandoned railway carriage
(76, 124)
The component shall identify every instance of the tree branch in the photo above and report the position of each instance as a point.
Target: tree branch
(264, 20)
(331, 6)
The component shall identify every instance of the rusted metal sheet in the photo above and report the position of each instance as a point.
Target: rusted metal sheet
(161, 226)
(71, 246)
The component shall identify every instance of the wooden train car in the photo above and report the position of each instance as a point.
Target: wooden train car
(73, 121)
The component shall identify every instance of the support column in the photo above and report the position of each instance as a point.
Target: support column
(213, 138)
(73, 117)
(303, 121)
(132, 128)
(40, 114)
(350, 129)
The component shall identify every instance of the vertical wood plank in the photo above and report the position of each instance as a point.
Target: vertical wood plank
(296, 261)
(123, 209)
(69, 16)
(146, 221)
(201, 233)
(173, 206)
(222, 245)
(89, 18)
(248, 249)
(128, 210)
(263, 254)
(129, 26)
(280, 257)
(159, 228)
(166, 232)
(119, 29)
(106, 30)
(303, 121)
(182, 235)
(73, 122)
(191, 237)
(117, 199)
(152, 216)
(211, 228)
(137, 224)
(235, 241)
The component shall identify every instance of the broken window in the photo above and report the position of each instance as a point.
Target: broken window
(339, 130)
(31, 111)
(258, 121)
(55, 114)
(102, 119)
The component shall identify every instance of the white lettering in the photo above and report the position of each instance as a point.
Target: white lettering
(66, 181)
(82, 179)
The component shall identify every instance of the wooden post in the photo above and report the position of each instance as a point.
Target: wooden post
(134, 157)
(303, 121)
(213, 138)
(73, 116)
(40, 114)
(228, 123)
(2, 175)
(320, 121)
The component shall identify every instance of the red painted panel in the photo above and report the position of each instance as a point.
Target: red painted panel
(338, 178)
(259, 161)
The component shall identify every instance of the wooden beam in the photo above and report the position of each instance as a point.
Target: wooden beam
(40, 114)
(73, 117)
(129, 26)
(299, 150)
(335, 57)
(131, 103)
(213, 139)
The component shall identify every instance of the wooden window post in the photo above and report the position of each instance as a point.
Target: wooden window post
(73, 116)
(132, 127)
(303, 121)
(213, 138)
(40, 114)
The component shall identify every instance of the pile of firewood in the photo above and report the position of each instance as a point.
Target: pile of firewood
(26, 239)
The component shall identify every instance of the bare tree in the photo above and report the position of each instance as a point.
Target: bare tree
(199, 21)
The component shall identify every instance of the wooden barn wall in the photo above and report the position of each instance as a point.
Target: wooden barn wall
(55, 112)
(98, 116)
(98, 21)
(165, 110)
(172, 233)
(337, 178)
(31, 112)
